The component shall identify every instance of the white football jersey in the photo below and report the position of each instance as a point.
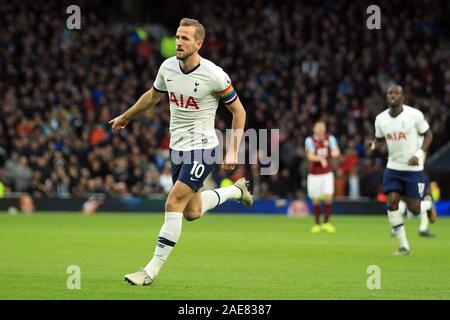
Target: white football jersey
(403, 136)
(193, 97)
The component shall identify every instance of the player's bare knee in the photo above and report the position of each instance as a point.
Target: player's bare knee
(176, 201)
(190, 215)
(190, 218)
(169, 206)
(392, 204)
(172, 204)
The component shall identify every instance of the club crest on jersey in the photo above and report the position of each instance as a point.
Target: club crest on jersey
(396, 136)
(182, 102)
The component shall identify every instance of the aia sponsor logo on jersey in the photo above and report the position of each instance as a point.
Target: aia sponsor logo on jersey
(183, 102)
(396, 136)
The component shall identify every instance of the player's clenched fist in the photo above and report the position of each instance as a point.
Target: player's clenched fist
(414, 161)
(119, 123)
(230, 162)
(323, 162)
(369, 145)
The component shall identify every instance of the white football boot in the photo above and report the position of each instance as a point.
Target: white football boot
(247, 198)
(140, 278)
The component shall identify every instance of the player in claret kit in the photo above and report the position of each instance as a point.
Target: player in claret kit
(402, 128)
(320, 148)
(194, 86)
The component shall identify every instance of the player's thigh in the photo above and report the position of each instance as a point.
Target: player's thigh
(196, 167)
(179, 197)
(313, 184)
(328, 187)
(415, 184)
(393, 185)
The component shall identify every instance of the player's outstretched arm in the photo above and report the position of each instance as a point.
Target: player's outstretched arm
(147, 101)
(237, 110)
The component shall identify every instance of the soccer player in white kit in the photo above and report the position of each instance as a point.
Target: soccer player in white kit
(194, 86)
(402, 127)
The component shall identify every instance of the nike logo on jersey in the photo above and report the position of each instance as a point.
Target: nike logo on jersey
(193, 179)
(169, 80)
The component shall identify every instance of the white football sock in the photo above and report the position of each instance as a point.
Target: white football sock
(425, 205)
(168, 236)
(396, 221)
(210, 200)
(402, 207)
(424, 222)
(214, 198)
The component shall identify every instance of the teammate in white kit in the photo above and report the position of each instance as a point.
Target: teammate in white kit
(194, 86)
(402, 127)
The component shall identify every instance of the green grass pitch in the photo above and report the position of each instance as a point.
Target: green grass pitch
(219, 257)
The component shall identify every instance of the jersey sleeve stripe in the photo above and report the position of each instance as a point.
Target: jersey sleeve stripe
(156, 89)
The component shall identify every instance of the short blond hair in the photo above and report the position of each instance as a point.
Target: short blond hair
(199, 28)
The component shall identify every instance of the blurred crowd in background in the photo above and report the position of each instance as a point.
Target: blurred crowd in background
(291, 63)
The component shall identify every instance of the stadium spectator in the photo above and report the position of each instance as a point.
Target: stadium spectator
(165, 180)
(340, 183)
(26, 204)
(353, 184)
(21, 175)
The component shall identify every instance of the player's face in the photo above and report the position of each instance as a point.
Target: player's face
(395, 96)
(186, 42)
(320, 129)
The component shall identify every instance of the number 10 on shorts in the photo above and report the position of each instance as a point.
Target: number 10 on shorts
(197, 170)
